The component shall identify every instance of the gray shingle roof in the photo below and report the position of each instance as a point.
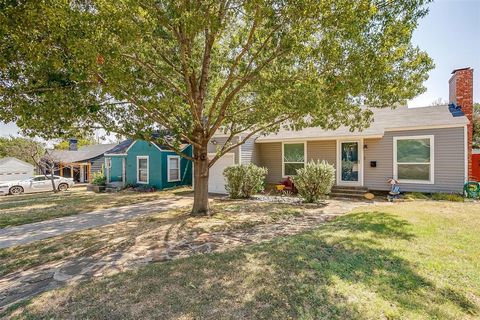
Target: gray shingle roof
(82, 154)
(121, 148)
(6, 159)
(384, 120)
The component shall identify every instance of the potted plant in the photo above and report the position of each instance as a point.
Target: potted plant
(99, 182)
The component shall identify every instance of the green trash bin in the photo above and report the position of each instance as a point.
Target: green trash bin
(472, 189)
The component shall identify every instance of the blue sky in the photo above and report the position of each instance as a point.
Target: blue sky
(450, 33)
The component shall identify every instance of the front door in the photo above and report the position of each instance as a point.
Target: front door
(350, 163)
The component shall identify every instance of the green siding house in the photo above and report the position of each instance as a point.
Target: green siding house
(141, 163)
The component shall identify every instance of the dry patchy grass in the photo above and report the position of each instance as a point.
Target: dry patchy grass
(404, 261)
(17, 210)
(152, 232)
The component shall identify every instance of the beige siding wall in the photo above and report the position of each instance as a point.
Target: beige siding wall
(270, 157)
(249, 151)
(449, 160)
(220, 142)
(322, 150)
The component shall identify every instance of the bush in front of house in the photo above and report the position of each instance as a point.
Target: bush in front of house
(244, 180)
(314, 181)
(454, 197)
(99, 179)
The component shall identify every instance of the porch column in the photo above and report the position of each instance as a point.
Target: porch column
(82, 173)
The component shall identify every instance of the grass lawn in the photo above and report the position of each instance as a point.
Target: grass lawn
(152, 232)
(412, 260)
(17, 210)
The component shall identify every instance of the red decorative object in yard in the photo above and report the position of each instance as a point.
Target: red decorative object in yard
(289, 185)
(476, 165)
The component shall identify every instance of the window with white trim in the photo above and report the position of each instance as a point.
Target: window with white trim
(413, 159)
(293, 158)
(173, 168)
(142, 169)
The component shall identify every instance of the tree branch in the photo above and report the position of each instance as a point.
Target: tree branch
(230, 77)
(248, 136)
(159, 76)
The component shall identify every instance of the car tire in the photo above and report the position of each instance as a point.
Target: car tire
(15, 190)
(62, 187)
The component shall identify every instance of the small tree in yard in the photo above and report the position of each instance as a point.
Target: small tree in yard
(191, 69)
(244, 180)
(315, 180)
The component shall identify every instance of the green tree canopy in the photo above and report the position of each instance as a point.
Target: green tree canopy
(25, 149)
(65, 144)
(194, 68)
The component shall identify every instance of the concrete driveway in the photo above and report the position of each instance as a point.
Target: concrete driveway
(13, 236)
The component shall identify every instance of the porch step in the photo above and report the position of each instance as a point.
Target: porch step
(346, 195)
(348, 192)
(113, 187)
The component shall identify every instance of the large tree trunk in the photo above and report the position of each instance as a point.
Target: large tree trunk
(200, 184)
(52, 179)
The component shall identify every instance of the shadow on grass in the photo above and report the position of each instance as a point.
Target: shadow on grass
(330, 273)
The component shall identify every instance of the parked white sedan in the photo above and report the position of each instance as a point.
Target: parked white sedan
(34, 184)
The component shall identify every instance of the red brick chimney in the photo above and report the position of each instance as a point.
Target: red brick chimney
(461, 94)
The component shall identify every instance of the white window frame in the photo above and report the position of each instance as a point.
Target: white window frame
(169, 179)
(283, 155)
(431, 163)
(148, 169)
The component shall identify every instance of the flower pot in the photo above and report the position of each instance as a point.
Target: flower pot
(95, 188)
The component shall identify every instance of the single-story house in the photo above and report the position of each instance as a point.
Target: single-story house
(426, 149)
(79, 163)
(138, 162)
(15, 169)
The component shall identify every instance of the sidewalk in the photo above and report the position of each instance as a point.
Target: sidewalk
(27, 233)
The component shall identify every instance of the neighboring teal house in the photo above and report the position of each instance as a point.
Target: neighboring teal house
(138, 162)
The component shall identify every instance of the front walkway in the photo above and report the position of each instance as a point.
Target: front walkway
(177, 242)
(27, 233)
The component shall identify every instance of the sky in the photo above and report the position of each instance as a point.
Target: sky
(450, 34)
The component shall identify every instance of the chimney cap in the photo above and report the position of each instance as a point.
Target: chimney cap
(460, 69)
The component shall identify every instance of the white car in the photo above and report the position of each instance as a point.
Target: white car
(34, 184)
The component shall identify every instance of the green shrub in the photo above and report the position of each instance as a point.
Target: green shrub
(244, 180)
(315, 180)
(435, 196)
(448, 197)
(99, 179)
(417, 196)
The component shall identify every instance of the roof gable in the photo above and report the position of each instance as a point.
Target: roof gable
(385, 119)
(82, 154)
(4, 161)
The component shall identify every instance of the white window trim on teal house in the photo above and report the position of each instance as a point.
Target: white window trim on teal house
(169, 179)
(283, 155)
(148, 169)
(431, 163)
